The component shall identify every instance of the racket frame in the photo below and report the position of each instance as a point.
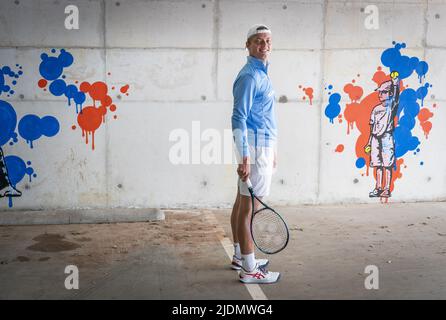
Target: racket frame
(265, 207)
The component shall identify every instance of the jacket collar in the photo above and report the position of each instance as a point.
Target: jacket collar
(258, 64)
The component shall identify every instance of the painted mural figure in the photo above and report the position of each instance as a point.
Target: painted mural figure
(381, 143)
(6, 189)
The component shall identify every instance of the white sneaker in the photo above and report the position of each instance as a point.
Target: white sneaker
(237, 263)
(259, 275)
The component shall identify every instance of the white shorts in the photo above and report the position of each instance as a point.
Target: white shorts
(261, 171)
(382, 152)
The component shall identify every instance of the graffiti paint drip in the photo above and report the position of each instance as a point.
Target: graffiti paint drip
(91, 117)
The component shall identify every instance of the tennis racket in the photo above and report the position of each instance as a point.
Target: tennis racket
(268, 229)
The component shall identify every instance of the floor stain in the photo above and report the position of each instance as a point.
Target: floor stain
(52, 242)
(44, 259)
(22, 259)
(83, 239)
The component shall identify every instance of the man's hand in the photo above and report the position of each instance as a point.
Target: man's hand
(394, 75)
(243, 169)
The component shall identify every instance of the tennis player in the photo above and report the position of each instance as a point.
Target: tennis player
(255, 132)
(381, 143)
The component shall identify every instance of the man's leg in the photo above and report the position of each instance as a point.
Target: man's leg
(386, 191)
(237, 260)
(379, 182)
(234, 222)
(379, 178)
(244, 234)
(253, 270)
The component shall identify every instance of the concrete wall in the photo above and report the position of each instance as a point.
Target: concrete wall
(179, 59)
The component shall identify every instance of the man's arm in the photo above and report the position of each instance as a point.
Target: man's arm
(244, 92)
(394, 75)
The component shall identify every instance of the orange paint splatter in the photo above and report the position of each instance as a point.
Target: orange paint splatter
(309, 93)
(124, 88)
(106, 101)
(112, 108)
(423, 116)
(339, 148)
(426, 126)
(98, 91)
(42, 83)
(379, 77)
(73, 127)
(85, 87)
(354, 92)
(89, 120)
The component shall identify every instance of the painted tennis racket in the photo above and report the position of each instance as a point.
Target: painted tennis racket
(268, 229)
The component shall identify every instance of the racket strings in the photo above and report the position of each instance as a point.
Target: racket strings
(269, 231)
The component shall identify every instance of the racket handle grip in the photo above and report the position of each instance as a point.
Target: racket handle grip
(248, 183)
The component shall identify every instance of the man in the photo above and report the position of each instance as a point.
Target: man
(381, 144)
(254, 130)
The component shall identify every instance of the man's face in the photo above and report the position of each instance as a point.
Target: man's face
(259, 46)
(384, 95)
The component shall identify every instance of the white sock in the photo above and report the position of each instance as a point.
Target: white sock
(237, 252)
(249, 261)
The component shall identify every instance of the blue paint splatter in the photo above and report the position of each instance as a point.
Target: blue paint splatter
(6, 71)
(360, 162)
(422, 92)
(31, 127)
(422, 69)
(70, 92)
(58, 87)
(51, 68)
(404, 140)
(29, 171)
(405, 65)
(333, 108)
(8, 122)
(16, 169)
(79, 99)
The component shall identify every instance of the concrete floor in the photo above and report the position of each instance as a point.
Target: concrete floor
(183, 257)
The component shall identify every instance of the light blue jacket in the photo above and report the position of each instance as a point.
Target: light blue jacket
(253, 116)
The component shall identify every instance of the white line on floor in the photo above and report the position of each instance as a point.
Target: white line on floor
(254, 289)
